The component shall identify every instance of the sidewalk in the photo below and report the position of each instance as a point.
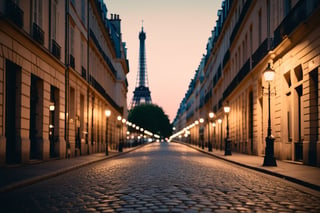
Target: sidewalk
(298, 173)
(22, 175)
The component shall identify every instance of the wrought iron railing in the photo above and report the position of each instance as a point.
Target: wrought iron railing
(14, 13)
(296, 16)
(38, 34)
(55, 49)
(226, 58)
(240, 20)
(83, 73)
(104, 55)
(103, 92)
(72, 61)
(243, 72)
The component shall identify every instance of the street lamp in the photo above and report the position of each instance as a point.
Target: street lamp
(124, 139)
(269, 159)
(219, 122)
(211, 115)
(120, 137)
(227, 147)
(201, 120)
(196, 132)
(108, 113)
(214, 134)
(51, 128)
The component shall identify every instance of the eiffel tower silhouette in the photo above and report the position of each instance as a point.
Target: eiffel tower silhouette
(141, 92)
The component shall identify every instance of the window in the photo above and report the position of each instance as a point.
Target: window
(298, 72)
(260, 28)
(243, 50)
(83, 11)
(250, 37)
(289, 117)
(71, 40)
(54, 20)
(287, 77)
(82, 53)
(314, 103)
(37, 12)
(72, 109)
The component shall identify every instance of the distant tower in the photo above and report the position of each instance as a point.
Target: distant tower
(141, 92)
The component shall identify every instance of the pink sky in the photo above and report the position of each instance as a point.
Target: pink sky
(177, 33)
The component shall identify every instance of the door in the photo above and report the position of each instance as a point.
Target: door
(12, 112)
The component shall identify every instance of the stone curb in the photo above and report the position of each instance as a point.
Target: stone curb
(289, 178)
(36, 179)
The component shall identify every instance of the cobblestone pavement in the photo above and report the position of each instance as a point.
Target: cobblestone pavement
(162, 177)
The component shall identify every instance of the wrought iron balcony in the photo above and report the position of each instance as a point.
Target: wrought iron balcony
(104, 55)
(243, 72)
(262, 51)
(240, 20)
(72, 61)
(226, 58)
(83, 73)
(14, 13)
(55, 49)
(38, 34)
(299, 13)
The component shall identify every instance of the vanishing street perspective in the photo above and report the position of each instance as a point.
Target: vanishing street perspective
(245, 136)
(162, 177)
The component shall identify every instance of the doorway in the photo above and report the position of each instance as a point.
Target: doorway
(36, 117)
(12, 112)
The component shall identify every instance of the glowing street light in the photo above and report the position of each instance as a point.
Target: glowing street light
(227, 147)
(211, 115)
(108, 114)
(269, 159)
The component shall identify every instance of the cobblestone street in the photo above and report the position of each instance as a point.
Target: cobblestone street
(162, 177)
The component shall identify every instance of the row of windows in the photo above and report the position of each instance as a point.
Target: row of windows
(244, 48)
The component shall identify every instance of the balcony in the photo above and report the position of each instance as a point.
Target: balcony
(262, 51)
(103, 54)
(226, 58)
(38, 34)
(83, 73)
(296, 16)
(14, 13)
(243, 72)
(103, 92)
(72, 61)
(55, 49)
(240, 20)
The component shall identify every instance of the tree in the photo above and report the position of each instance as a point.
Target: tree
(152, 118)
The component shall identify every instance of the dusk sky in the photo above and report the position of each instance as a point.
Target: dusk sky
(177, 33)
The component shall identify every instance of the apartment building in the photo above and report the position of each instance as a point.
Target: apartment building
(63, 63)
(248, 36)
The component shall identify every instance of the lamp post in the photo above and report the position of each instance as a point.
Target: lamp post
(214, 134)
(269, 159)
(108, 113)
(124, 139)
(201, 120)
(227, 147)
(211, 114)
(196, 132)
(219, 122)
(120, 137)
(51, 129)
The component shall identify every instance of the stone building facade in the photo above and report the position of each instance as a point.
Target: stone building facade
(62, 64)
(247, 37)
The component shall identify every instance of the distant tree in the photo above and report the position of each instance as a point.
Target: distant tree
(152, 118)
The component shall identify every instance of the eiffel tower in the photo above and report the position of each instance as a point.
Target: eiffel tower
(141, 92)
